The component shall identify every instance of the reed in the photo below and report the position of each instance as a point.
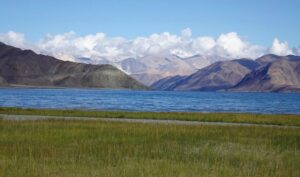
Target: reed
(94, 148)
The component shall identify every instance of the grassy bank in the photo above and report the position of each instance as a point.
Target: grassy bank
(94, 148)
(293, 120)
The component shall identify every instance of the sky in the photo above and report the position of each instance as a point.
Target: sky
(266, 25)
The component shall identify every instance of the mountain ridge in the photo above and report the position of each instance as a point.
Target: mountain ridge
(151, 68)
(26, 68)
(243, 75)
(278, 75)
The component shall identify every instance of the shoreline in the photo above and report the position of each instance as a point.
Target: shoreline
(149, 89)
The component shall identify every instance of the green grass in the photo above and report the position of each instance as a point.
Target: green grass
(59, 148)
(289, 120)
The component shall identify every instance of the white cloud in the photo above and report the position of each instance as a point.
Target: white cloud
(231, 43)
(186, 33)
(13, 38)
(280, 48)
(228, 45)
(298, 51)
(70, 46)
(89, 46)
(203, 43)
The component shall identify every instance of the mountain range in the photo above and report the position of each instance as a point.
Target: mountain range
(151, 68)
(26, 68)
(269, 73)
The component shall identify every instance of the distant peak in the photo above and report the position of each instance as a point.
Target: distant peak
(269, 55)
(291, 56)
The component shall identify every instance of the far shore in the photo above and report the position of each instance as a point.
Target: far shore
(149, 89)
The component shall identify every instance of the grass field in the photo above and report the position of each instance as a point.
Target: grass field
(289, 120)
(59, 148)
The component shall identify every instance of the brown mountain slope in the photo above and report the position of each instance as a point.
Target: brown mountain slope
(168, 83)
(26, 68)
(220, 75)
(282, 74)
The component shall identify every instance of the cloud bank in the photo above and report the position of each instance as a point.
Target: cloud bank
(280, 48)
(69, 46)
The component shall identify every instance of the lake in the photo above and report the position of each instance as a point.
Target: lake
(130, 100)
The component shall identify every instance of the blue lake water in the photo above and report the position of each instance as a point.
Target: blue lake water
(271, 103)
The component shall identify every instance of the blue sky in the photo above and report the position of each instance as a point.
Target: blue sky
(260, 21)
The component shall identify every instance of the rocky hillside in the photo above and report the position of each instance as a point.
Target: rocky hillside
(220, 75)
(26, 68)
(269, 73)
(281, 74)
